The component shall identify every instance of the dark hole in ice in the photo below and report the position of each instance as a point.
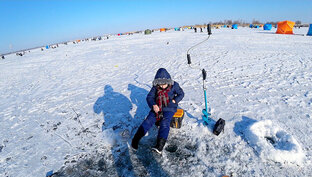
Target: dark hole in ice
(270, 139)
(171, 148)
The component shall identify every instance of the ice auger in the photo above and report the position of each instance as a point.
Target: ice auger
(205, 111)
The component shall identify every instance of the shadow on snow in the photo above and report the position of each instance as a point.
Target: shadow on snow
(116, 113)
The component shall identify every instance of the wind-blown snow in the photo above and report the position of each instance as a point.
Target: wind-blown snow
(74, 109)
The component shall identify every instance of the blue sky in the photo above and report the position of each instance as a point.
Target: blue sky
(31, 23)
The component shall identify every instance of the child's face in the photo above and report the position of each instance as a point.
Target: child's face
(163, 86)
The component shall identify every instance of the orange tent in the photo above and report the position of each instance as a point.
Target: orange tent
(285, 27)
(162, 29)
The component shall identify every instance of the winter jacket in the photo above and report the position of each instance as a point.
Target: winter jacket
(176, 93)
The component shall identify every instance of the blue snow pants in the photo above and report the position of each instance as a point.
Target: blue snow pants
(164, 125)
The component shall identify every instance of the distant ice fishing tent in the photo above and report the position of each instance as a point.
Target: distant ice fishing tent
(250, 26)
(267, 26)
(176, 29)
(163, 30)
(148, 31)
(47, 47)
(285, 27)
(234, 26)
(310, 30)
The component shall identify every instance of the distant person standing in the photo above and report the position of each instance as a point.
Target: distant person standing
(201, 30)
(195, 29)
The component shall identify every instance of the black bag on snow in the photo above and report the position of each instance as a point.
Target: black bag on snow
(219, 127)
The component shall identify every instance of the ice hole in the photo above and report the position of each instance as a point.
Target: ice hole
(273, 143)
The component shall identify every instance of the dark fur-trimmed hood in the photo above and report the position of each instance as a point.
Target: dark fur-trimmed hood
(162, 77)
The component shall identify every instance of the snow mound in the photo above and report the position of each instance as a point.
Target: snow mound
(273, 143)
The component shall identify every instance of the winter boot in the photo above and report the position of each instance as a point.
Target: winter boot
(138, 135)
(160, 145)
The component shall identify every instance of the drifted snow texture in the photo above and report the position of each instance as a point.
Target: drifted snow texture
(74, 109)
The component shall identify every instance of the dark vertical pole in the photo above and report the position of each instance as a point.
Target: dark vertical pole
(209, 29)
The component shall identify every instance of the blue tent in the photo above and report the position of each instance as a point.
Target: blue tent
(224, 26)
(310, 30)
(267, 26)
(234, 26)
(176, 29)
(47, 47)
(250, 26)
(257, 26)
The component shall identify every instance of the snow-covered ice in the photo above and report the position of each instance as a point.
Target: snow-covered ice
(74, 109)
(274, 143)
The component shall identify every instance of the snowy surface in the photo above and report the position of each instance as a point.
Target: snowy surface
(74, 109)
(285, 148)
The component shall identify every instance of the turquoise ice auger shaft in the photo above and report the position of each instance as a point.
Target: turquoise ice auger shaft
(205, 111)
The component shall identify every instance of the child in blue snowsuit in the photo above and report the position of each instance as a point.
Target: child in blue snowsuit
(163, 100)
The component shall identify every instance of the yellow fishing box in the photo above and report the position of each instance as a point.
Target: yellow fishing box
(177, 118)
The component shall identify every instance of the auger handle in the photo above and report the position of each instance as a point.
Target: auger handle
(189, 59)
(209, 29)
(204, 74)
